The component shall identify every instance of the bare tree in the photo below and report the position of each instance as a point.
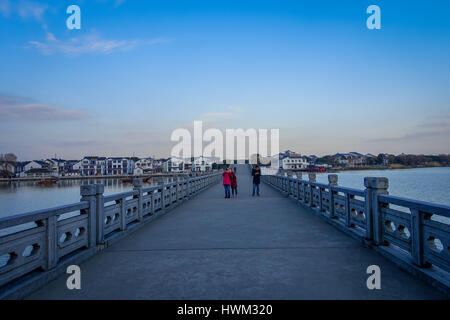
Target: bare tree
(7, 160)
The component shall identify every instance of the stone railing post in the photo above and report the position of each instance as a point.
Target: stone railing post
(299, 185)
(51, 239)
(88, 193)
(416, 237)
(188, 190)
(123, 214)
(163, 200)
(374, 220)
(137, 185)
(311, 178)
(289, 183)
(332, 181)
(100, 202)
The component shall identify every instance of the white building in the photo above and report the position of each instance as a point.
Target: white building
(145, 164)
(119, 166)
(203, 163)
(34, 164)
(93, 166)
(174, 165)
(294, 162)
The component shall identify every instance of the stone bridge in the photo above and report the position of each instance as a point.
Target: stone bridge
(298, 240)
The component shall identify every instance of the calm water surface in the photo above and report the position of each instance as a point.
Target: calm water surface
(21, 197)
(426, 184)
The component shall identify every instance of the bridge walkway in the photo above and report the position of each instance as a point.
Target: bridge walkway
(248, 247)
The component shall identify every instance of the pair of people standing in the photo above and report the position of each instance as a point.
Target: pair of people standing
(229, 183)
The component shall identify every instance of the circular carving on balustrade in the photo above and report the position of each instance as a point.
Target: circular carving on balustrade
(134, 209)
(353, 212)
(108, 220)
(79, 232)
(361, 215)
(390, 226)
(435, 244)
(66, 236)
(403, 231)
(30, 250)
(7, 259)
(116, 216)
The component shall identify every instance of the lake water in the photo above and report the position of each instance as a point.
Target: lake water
(21, 197)
(427, 184)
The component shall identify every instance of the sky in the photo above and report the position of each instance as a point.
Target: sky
(137, 70)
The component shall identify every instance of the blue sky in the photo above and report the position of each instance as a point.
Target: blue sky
(137, 70)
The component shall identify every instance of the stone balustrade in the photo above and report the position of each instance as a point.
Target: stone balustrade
(411, 232)
(33, 245)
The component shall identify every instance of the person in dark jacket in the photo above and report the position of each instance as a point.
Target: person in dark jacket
(233, 184)
(256, 173)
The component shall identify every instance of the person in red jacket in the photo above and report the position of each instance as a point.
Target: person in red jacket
(233, 179)
(226, 182)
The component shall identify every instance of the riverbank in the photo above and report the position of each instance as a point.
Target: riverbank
(390, 167)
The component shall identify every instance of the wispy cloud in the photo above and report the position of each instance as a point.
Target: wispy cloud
(230, 112)
(92, 43)
(40, 112)
(24, 9)
(433, 126)
(6, 100)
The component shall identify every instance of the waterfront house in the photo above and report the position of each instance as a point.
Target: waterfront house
(294, 162)
(350, 159)
(34, 164)
(71, 168)
(202, 164)
(174, 164)
(145, 163)
(39, 173)
(119, 166)
(93, 166)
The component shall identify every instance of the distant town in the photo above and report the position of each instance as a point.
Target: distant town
(289, 160)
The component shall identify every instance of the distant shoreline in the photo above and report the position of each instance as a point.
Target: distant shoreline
(391, 167)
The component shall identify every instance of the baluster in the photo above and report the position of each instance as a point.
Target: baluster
(123, 214)
(348, 197)
(332, 181)
(163, 200)
(417, 237)
(374, 219)
(51, 239)
(137, 185)
(100, 202)
(312, 178)
(88, 193)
